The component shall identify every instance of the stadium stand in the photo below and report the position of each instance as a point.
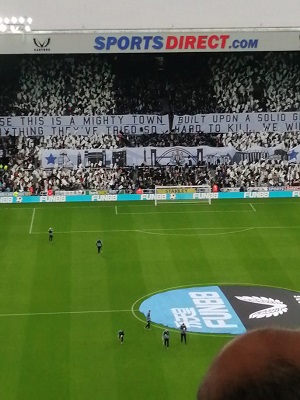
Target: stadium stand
(182, 84)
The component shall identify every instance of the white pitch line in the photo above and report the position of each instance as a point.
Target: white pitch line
(196, 234)
(116, 210)
(32, 220)
(54, 206)
(251, 205)
(101, 205)
(184, 212)
(172, 229)
(64, 313)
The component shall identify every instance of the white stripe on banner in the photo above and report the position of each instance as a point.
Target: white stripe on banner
(137, 124)
(247, 122)
(83, 125)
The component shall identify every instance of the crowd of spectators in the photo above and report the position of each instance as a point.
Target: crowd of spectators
(256, 82)
(243, 141)
(173, 84)
(23, 157)
(114, 180)
(261, 173)
(63, 86)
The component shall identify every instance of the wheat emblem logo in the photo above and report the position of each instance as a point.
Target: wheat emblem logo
(275, 307)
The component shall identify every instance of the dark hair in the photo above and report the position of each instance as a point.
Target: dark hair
(281, 381)
(259, 365)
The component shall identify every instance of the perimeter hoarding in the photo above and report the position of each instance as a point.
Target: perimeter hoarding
(158, 41)
(171, 197)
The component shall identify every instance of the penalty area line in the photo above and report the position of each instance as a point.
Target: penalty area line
(184, 212)
(64, 313)
(169, 229)
(253, 208)
(32, 220)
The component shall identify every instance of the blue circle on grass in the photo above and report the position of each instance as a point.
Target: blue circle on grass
(224, 309)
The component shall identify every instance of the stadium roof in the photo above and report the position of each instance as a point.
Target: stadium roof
(155, 14)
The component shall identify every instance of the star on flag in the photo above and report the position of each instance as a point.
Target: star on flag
(51, 159)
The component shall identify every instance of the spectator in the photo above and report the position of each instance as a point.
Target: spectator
(259, 365)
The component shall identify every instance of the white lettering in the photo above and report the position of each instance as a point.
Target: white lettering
(6, 199)
(218, 323)
(52, 199)
(203, 196)
(212, 309)
(255, 195)
(104, 197)
(188, 316)
(159, 196)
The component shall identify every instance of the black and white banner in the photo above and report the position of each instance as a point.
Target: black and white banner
(235, 122)
(83, 125)
(138, 124)
(155, 156)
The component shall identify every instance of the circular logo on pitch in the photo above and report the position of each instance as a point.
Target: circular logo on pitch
(231, 309)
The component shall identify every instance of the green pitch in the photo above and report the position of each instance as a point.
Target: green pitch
(62, 304)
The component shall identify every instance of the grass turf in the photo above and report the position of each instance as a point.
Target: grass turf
(145, 249)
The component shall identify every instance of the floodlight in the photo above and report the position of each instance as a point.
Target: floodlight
(15, 25)
(14, 28)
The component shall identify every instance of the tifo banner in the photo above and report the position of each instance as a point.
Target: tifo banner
(155, 156)
(294, 154)
(83, 125)
(147, 124)
(247, 122)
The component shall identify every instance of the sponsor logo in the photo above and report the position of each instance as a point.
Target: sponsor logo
(235, 189)
(6, 199)
(276, 188)
(42, 44)
(256, 195)
(19, 199)
(169, 43)
(276, 307)
(258, 189)
(152, 196)
(104, 197)
(224, 309)
(296, 188)
(203, 196)
(52, 199)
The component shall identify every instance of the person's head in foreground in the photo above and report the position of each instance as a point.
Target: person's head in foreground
(260, 365)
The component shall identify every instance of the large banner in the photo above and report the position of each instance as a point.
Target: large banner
(234, 122)
(83, 125)
(147, 124)
(155, 156)
(151, 41)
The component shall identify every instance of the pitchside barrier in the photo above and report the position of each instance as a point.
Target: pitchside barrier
(170, 197)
